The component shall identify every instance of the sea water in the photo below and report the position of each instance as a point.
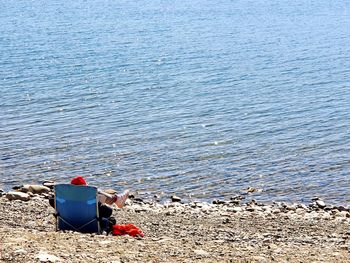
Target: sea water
(199, 98)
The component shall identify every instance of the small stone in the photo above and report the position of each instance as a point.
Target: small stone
(320, 204)
(342, 208)
(250, 209)
(38, 189)
(292, 207)
(175, 198)
(253, 190)
(272, 246)
(20, 251)
(201, 253)
(276, 211)
(17, 196)
(218, 202)
(49, 184)
(199, 205)
(237, 197)
(45, 257)
(226, 221)
(343, 214)
(137, 200)
(236, 209)
(235, 202)
(300, 211)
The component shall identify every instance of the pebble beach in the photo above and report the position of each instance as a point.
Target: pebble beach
(222, 231)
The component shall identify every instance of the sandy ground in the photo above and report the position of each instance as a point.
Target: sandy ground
(175, 232)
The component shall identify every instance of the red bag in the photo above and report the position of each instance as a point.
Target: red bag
(128, 229)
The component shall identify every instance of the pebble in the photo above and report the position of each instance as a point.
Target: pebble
(253, 190)
(235, 209)
(218, 202)
(342, 214)
(201, 252)
(13, 195)
(258, 259)
(300, 211)
(175, 198)
(45, 257)
(276, 211)
(20, 251)
(49, 184)
(320, 204)
(342, 208)
(34, 189)
(292, 207)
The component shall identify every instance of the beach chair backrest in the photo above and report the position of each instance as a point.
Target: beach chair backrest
(76, 208)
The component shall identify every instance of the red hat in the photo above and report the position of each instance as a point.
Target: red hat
(79, 180)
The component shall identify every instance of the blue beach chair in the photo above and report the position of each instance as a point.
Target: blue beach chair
(76, 208)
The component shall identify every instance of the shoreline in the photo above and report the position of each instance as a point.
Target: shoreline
(226, 231)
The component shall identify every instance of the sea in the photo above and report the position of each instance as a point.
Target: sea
(202, 99)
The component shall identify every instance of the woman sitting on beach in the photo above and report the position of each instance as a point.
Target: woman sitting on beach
(104, 200)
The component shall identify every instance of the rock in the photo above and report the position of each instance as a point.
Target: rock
(218, 202)
(292, 207)
(35, 189)
(20, 251)
(320, 204)
(329, 208)
(237, 197)
(199, 204)
(342, 208)
(311, 215)
(1, 192)
(250, 209)
(49, 184)
(276, 211)
(303, 206)
(253, 190)
(258, 259)
(343, 214)
(38, 189)
(235, 209)
(272, 246)
(300, 211)
(175, 198)
(235, 202)
(17, 196)
(201, 253)
(45, 257)
(17, 187)
(226, 221)
(137, 200)
(326, 216)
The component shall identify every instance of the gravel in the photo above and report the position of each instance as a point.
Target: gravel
(177, 232)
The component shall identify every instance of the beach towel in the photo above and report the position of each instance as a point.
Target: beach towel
(127, 229)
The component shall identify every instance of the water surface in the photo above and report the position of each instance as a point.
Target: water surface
(198, 98)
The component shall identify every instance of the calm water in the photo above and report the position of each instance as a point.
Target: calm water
(199, 98)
